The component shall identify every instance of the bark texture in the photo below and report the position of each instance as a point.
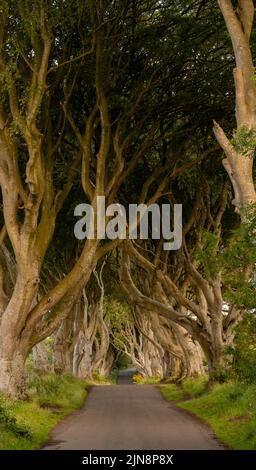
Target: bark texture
(239, 163)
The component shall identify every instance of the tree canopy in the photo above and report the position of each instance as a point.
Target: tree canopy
(134, 101)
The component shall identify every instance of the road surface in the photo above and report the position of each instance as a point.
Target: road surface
(130, 417)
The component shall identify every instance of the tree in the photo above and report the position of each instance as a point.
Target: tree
(80, 117)
(240, 152)
(40, 45)
(189, 289)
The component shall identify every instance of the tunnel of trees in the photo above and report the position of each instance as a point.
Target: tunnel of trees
(142, 102)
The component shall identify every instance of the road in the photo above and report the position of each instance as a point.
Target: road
(130, 417)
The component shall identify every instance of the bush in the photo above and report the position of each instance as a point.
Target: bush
(7, 417)
(57, 391)
(244, 350)
(229, 408)
(113, 376)
(103, 379)
(172, 392)
(47, 385)
(123, 362)
(140, 379)
(26, 424)
(99, 379)
(195, 387)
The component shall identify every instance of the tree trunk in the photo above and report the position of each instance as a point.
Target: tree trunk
(195, 361)
(82, 358)
(41, 357)
(214, 351)
(107, 363)
(13, 347)
(177, 369)
(192, 353)
(239, 163)
(216, 366)
(23, 326)
(12, 377)
(62, 354)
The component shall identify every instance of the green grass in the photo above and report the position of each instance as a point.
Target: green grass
(195, 388)
(229, 408)
(111, 379)
(113, 376)
(171, 392)
(139, 379)
(27, 424)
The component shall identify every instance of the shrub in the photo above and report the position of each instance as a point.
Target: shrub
(98, 378)
(105, 379)
(7, 409)
(140, 379)
(57, 391)
(244, 350)
(44, 386)
(172, 392)
(195, 387)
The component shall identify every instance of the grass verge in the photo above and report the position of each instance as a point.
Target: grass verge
(229, 408)
(139, 379)
(111, 379)
(27, 424)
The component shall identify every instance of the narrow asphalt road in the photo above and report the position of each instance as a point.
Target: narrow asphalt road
(126, 416)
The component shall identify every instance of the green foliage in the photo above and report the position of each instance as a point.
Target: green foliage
(113, 376)
(119, 315)
(234, 258)
(123, 361)
(8, 418)
(98, 378)
(229, 408)
(54, 391)
(190, 387)
(208, 255)
(195, 387)
(105, 380)
(172, 392)
(188, 181)
(45, 385)
(139, 379)
(244, 350)
(26, 424)
(244, 141)
(238, 263)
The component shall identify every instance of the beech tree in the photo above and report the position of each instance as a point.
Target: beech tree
(105, 99)
(45, 70)
(189, 291)
(240, 151)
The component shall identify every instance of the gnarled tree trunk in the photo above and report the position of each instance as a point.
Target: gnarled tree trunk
(239, 159)
(41, 357)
